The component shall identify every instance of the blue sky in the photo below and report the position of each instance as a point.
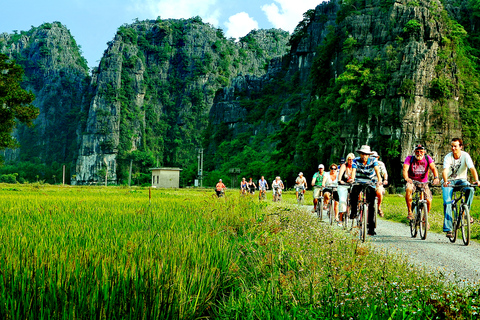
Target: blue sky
(94, 22)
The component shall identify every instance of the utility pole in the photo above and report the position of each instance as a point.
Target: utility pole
(106, 171)
(200, 165)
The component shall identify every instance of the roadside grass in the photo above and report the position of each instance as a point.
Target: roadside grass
(105, 253)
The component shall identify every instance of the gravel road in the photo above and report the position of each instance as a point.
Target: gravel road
(457, 262)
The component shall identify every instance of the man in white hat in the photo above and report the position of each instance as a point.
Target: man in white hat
(365, 169)
(300, 184)
(317, 184)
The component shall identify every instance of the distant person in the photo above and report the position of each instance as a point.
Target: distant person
(380, 190)
(243, 186)
(220, 188)
(300, 184)
(262, 187)
(251, 186)
(317, 184)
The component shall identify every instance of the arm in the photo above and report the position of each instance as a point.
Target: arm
(379, 176)
(313, 180)
(385, 175)
(435, 173)
(474, 173)
(340, 173)
(444, 176)
(405, 173)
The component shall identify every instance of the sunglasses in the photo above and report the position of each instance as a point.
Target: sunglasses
(333, 168)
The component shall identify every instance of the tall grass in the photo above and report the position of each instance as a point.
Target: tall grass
(106, 253)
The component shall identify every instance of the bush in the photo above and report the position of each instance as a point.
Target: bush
(9, 178)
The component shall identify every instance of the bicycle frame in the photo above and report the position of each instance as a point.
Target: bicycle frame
(362, 211)
(460, 214)
(420, 207)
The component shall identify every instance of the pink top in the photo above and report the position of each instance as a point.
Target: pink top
(418, 170)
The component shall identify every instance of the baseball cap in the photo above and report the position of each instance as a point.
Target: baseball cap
(342, 160)
(321, 166)
(300, 174)
(419, 147)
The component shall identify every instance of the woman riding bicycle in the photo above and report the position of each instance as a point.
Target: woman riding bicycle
(300, 184)
(277, 186)
(330, 181)
(344, 177)
(243, 186)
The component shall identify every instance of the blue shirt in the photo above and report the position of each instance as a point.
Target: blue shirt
(365, 172)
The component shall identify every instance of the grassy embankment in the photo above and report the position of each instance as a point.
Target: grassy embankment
(107, 253)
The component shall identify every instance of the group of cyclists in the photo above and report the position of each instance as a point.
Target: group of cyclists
(350, 178)
(368, 169)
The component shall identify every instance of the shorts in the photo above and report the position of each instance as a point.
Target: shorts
(428, 193)
(299, 189)
(316, 192)
(277, 191)
(335, 193)
(262, 189)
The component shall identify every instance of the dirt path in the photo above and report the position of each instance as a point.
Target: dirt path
(455, 261)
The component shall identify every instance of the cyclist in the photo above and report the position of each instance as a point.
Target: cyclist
(365, 168)
(220, 188)
(455, 165)
(300, 184)
(262, 187)
(329, 181)
(344, 177)
(380, 190)
(251, 186)
(317, 183)
(277, 186)
(243, 186)
(417, 168)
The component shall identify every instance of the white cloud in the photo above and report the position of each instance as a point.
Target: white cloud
(176, 9)
(287, 14)
(239, 25)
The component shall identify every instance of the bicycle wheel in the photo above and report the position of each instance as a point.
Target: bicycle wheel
(320, 209)
(413, 222)
(331, 212)
(422, 222)
(454, 224)
(465, 224)
(345, 218)
(363, 222)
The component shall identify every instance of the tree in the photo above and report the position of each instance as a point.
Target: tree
(15, 102)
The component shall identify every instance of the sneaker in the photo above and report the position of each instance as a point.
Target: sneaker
(410, 216)
(340, 224)
(372, 233)
(380, 213)
(449, 234)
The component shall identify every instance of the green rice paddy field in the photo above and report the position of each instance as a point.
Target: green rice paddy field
(110, 253)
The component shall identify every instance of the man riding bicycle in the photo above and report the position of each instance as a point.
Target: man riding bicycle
(455, 165)
(416, 168)
(317, 183)
(365, 170)
(300, 184)
(262, 187)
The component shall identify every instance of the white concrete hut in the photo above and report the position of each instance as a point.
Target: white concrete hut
(166, 177)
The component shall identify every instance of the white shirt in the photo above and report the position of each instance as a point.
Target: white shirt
(457, 168)
(327, 181)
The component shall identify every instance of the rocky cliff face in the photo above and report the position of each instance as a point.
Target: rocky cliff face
(382, 73)
(57, 74)
(154, 89)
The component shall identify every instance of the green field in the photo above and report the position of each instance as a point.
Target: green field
(110, 253)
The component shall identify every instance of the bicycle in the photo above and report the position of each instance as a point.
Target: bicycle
(419, 223)
(346, 214)
(461, 216)
(262, 194)
(300, 189)
(362, 211)
(319, 209)
(331, 204)
(277, 194)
